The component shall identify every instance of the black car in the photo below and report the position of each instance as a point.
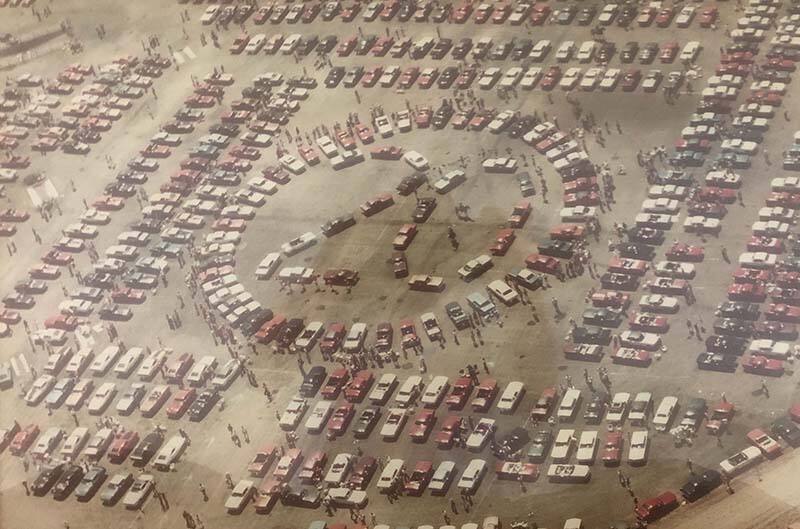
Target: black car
(565, 15)
(526, 187)
(462, 48)
(521, 49)
(540, 446)
(606, 52)
(602, 317)
(338, 225)
(31, 286)
(424, 209)
(695, 412)
(226, 129)
(442, 115)
(591, 335)
(596, 408)
(203, 404)
(627, 14)
(334, 76)
(290, 332)
(301, 496)
(132, 177)
(787, 430)
(90, 483)
(307, 45)
(410, 183)
(676, 177)
(525, 277)
(441, 48)
(69, 479)
(457, 315)
(46, 479)
(353, 76)
(738, 309)
(98, 280)
(149, 225)
(116, 487)
(648, 53)
(645, 235)
(313, 380)
(147, 448)
(366, 422)
(326, 44)
(255, 321)
(716, 362)
(447, 78)
(586, 15)
(636, 251)
(628, 52)
(733, 327)
(614, 281)
(701, 484)
(18, 301)
(557, 248)
(729, 345)
(114, 312)
(509, 447)
(521, 126)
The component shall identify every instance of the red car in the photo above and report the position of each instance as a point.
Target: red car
(462, 13)
(238, 225)
(761, 365)
(288, 464)
(765, 443)
(108, 203)
(386, 153)
(787, 279)
(57, 258)
(180, 402)
(408, 77)
(539, 14)
(122, 445)
(311, 472)
(309, 154)
(346, 140)
(631, 357)
(332, 339)
(270, 329)
(568, 232)
(716, 194)
(751, 275)
(582, 198)
(754, 292)
(449, 432)
(422, 426)
(340, 420)
(23, 439)
(384, 335)
(177, 368)
(381, 48)
(622, 265)
(376, 204)
(611, 298)
(501, 13)
(359, 386)
(335, 383)
(362, 472)
(503, 241)
(128, 295)
(685, 253)
(408, 334)
(648, 323)
(14, 215)
(404, 236)
(418, 480)
(485, 395)
(483, 13)
(652, 509)
(423, 116)
(708, 17)
(262, 460)
(462, 389)
(612, 449)
(543, 263)
(544, 404)
(758, 243)
(785, 295)
(631, 79)
(519, 216)
(664, 17)
(63, 322)
(783, 312)
(785, 199)
(581, 184)
(364, 133)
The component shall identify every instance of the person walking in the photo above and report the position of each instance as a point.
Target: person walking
(203, 492)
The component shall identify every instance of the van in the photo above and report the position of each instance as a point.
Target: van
(408, 391)
(664, 413)
(355, 338)
(391, 475)
(472, 475)
(170, 452)
(569, 405)
(435, 391)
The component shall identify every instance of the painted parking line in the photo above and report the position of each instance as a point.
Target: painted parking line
(14, 366)
(24, 361)
(189, 53)
(178, 57)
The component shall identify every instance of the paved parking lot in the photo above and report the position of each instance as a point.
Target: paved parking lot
(524, 343)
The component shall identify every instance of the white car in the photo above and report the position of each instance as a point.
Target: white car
(531, 78)
(590, 79)
(788, 183)
(395, 420)
(472, 475)
(501, 121)
(268, 265)
(299, 244)
(201, 371)
(540, 50)
(95, 217)
(128, 362)
(660, 221)
(292, 164)
(210, 14)
(685, 17)
(665, 413)
(511, 77)
(618, 407)
(290, 43)
(403, 121)
(587, 447)
(129, 400)
(431, 326)
(690, 51)
(675, 270)
(98, 444)
(101, 398)
(450, 180)
(261, 185)
(475, 267)
(637, 452)
(723, 179)
(610, 79)
(659, 303)
(770, 348)
(668, 191)
(240, 496)
(757, 260)
(81, 231)
(578, 213)
(308, 338)
(503, 292)
(391, 475)
(741, 461)
(340, 467)
(152, 364)
(569, 404)
(771, 228)
(640, 408)
(778, 213)
(481, 434)
(76, 307)
(327, 146)
(701, 224)
(409, 391)
(388, 78)
(586, 51)
(293, 413)
(739, 146)
(319, 416)
(416, 160)
(48, 441)
(122, 251)
(435, 391)
(79, 362)
(74, 443)
(562, 445)
(383, 389)
(255, 44)
(640, 340)
(607, 14)
(103, 361)
(565, 51)
(354, 340)
(510, 397)
(165, 138)
(442, 477)
(570, 79)
(383, 126)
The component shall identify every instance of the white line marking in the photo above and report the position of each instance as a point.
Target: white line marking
(189, 53)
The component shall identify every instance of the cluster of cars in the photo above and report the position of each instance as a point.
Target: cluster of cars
(78, 386)
(61, 476)
(85, 117)
(295, 474)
